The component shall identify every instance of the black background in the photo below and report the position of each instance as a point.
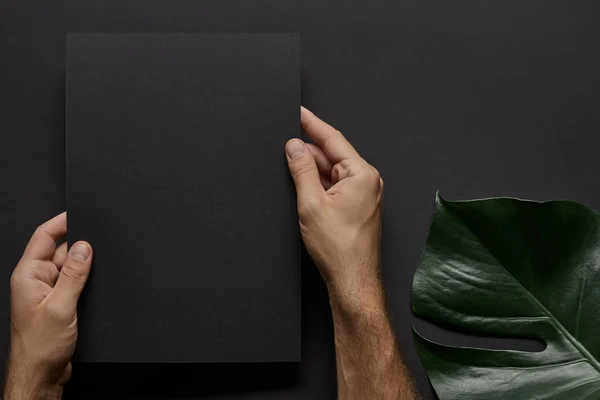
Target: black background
(475, 98)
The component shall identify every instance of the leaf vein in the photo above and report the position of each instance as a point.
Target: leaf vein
(579, 307)
(570, 388)
(535, 301)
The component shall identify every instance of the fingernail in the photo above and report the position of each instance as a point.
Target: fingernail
(294, 148)
(79, 252)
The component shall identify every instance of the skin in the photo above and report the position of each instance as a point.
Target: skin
(45, 287)
(339, 206)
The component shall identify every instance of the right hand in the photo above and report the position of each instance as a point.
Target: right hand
(339, 206)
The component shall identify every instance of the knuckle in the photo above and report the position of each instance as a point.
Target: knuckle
(342, 170)
(370, 176)
(339, 167)
(336, 171)
(74, 273)
(375, 173)
(347, 163)
(304, 168)
(374, 176)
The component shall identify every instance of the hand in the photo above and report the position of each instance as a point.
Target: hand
(45, 287)
(339, 205)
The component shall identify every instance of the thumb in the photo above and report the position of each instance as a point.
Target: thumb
(74, 274)
(304, 170)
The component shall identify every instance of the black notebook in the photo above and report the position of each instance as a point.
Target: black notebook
(176, 175)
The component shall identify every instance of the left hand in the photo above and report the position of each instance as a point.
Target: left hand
(45, 287)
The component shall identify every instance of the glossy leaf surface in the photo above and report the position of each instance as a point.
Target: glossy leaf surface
(517, 269)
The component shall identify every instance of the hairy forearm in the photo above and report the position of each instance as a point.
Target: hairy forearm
(369, 365)
(23, 382)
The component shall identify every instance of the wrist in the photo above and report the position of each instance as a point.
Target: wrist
(360, 317)
(25, 385)
(27, 379)
(357, 287)
(25, 391)
(357, 302)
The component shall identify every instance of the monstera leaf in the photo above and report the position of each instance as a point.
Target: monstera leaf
(517, 269)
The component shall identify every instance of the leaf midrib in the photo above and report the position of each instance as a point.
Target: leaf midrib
(550, 316)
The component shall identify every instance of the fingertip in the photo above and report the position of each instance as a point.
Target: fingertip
(305, 116)
(80, 251)
(83, 242)
(321, 159)
(292, 140)
(42, 244)
(59, 220)
(60, 254)
(295, 148)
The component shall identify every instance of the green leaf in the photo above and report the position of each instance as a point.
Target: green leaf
(517, 269)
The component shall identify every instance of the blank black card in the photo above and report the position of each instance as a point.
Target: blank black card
(176, 175)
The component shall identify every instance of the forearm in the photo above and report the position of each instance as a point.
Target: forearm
(24, 383)
(369, 365)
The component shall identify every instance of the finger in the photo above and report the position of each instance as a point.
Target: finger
(59, 255)
(37, 271)
(325, 182)
(73, 275)
(334, 144)
(323, 163)
(304, 170)
(42, 244)
(343, 170)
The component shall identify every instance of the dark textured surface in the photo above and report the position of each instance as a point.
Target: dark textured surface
(475, 98)
(511, 268)
(178, 179)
